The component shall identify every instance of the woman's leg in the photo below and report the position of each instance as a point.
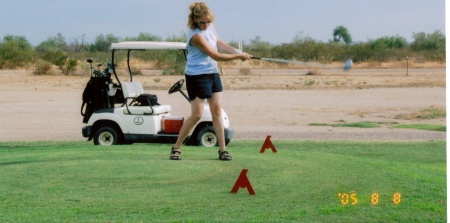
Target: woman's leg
(216, 112)
(196, 113)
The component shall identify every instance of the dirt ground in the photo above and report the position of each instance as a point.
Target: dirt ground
(280, 103)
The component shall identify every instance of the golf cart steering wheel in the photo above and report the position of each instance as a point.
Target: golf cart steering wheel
(177, 86)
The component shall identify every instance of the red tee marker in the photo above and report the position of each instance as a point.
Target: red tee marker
(243, 182)
(268, 144)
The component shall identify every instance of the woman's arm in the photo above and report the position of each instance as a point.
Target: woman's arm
(224, 47)
(200, 42)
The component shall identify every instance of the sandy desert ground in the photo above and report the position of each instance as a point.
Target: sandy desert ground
(279, 102)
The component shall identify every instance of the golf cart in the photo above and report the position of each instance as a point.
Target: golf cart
(121, 113)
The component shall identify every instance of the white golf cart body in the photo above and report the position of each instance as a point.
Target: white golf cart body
(126, 124)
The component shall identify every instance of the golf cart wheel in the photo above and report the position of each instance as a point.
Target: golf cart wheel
(207, 137)
(106, 136)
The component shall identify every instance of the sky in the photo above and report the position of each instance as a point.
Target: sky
(274, 21)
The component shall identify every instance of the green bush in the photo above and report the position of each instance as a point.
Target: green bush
(60, 59)
(15, 51)
(69, 66)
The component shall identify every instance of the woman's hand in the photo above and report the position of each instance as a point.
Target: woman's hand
(245, 56)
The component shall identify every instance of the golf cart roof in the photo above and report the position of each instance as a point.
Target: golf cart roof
(148, 45)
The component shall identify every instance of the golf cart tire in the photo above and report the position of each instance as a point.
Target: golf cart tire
(106, 136)
(207, 137)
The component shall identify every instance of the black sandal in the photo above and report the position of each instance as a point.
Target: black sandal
(175, 154)
(223, 155)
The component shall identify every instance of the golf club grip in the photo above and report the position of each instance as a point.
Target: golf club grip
(255, 58)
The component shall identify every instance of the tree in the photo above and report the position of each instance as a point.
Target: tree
(433, 41)
(15, 51)
(77, 43)
(341, 33)
(53, 43)
(258, 47)
(103, 42)
(430, 46)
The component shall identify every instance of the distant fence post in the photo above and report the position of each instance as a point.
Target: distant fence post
(241, 49)
(407, 65)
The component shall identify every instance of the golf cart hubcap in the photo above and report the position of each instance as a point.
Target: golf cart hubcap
(209, 139)
(106, 138)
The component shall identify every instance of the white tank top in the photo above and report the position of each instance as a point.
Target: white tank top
(197, 61)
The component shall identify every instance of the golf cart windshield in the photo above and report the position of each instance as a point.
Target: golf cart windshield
(143, 45)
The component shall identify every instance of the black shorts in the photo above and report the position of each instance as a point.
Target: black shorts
(203, 85)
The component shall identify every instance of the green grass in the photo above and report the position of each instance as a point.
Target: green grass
(80, 182)
(430, 127)
(353, 124)
(424, 114)
(431, 113)
(357, 125)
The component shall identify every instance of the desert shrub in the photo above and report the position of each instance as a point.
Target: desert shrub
(60, 59)
(432, 113)
(172, 62)
(42, 67)
(389, 42)
(360, 52)
(388, 48)
(55, 57)
(68, 67)
(135, 72)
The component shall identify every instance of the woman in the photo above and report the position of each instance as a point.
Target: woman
(202, 75)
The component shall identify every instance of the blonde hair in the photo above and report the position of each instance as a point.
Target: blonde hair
(197, 10)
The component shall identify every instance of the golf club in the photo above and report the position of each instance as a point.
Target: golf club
(347, 65)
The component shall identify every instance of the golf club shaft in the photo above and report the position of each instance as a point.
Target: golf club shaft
(289, 61)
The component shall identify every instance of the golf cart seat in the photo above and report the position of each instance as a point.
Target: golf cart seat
(131, 90)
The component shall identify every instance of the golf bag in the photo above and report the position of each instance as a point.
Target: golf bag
(95, 96)
(146, 100)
